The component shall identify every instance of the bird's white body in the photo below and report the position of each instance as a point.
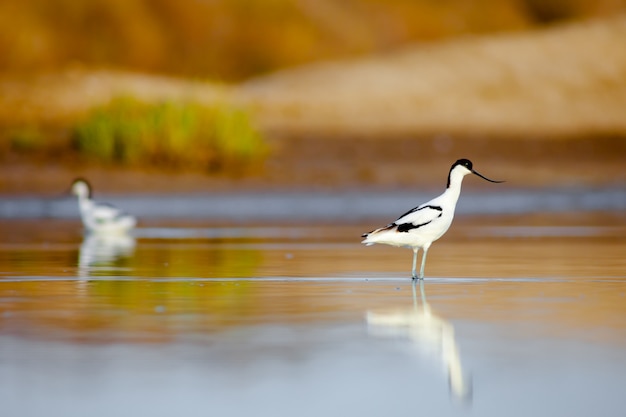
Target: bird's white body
(435, 217)
(420, 227)
(100, 217)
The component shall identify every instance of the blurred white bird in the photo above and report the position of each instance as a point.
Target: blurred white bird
(418, 228)
(100, 217)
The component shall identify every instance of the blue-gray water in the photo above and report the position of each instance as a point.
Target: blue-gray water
(302, 206)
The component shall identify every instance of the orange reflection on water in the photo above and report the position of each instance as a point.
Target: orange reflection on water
(104, 311)
(567, 281)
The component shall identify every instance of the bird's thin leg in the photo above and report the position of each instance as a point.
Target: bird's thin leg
(424, 253)
(413, 271)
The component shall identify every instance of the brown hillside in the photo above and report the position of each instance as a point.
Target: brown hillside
(233, 40)
(568, 80)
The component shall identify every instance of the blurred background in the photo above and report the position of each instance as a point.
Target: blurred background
(236, 40)
(195, 95)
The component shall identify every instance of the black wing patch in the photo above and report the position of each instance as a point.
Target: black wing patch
(405, 227)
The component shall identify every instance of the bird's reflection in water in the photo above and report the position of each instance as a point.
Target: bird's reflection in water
(102, 253)
(429, 333)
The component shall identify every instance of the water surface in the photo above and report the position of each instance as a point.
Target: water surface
(517, 316)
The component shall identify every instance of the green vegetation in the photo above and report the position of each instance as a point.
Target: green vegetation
(26, 139)
(177, 134)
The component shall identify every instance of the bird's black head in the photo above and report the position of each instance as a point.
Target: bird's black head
(463, 162)
(467, 164)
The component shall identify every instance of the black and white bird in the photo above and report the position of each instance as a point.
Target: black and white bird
(100, 218)
(418, 228)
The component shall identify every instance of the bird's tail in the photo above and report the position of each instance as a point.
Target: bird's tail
(373, 236)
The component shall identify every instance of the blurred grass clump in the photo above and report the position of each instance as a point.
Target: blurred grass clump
(169, 133)
(28, 138)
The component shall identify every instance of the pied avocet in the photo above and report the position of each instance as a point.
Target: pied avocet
(100, 217)
(418, 228)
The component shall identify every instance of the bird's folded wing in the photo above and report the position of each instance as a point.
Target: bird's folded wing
(420, 216)
(105, 212)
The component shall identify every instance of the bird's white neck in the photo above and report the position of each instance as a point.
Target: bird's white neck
(452, 193)
(454, 183)
(84, 203)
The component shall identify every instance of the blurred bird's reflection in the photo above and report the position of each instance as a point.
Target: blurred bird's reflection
(101, 252)
(429, 333)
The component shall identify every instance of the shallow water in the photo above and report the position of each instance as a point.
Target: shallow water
(518, 315)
